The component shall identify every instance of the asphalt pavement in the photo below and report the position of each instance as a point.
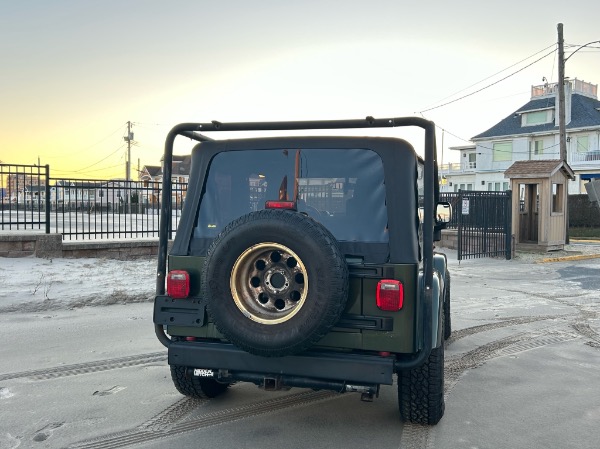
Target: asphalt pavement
(522, 365)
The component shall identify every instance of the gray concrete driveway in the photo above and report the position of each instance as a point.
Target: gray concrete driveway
(523, 365)
(522, 371)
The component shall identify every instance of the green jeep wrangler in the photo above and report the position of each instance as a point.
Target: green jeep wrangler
(306, 262)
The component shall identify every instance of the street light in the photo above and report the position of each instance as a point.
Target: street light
(561, 86)
(561, 110)
(583, 46)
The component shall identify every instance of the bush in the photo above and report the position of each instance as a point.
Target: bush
(583, 213)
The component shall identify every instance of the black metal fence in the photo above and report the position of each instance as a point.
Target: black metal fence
(83, 208)
(482, 221)
(23, 189)
(108, 209)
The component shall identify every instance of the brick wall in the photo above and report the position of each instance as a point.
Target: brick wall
(52, 246)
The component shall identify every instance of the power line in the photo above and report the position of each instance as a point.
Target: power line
(497, 73)
(88, 171)
(83, 170)
(489, 85)
(581, 45)
(101, 160)
(88, 147)
(490, 148)
(102, 169)
(146, 125)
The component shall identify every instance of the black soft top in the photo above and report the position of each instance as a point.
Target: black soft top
(401, 173)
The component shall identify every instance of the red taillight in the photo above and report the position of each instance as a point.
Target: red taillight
(390, 295)
(280, 205)
(178, 284)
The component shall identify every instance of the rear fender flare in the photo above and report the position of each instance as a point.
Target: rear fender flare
(437, 296)
(440, 264)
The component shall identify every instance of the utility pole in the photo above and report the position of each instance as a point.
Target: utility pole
(561, 118)
(128, 163)
(561, 95)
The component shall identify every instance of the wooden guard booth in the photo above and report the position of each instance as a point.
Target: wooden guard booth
(539, 206)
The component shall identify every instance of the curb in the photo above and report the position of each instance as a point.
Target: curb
(567, 258)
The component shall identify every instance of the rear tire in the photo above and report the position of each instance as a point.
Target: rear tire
(193, 386)
(421, 390)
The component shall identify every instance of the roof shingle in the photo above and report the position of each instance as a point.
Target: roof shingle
(538, 169)
(584, 113)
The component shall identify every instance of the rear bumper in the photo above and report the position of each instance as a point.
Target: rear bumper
(329, 366)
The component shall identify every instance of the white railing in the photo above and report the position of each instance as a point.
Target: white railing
(587, 157)
(456, 167)
(577, 86)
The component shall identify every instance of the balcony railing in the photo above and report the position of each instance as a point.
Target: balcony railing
(457, 167)
(577, 86)
(584, 158)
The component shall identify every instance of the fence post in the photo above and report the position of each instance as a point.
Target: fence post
(508, 225)
(484, 210)
(47, 202)
(459, 226)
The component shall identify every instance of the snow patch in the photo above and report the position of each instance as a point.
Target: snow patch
(5, 393)
(32, 285)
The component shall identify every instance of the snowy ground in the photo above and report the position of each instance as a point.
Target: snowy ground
(30, 284)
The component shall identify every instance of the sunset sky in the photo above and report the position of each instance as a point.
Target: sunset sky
(73, 72)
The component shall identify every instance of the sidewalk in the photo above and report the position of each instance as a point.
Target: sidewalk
(577, 250)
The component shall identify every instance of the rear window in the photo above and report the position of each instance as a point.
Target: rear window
(341, 188)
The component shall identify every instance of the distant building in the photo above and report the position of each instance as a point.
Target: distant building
(180, 171)
(71, 193)
(20, 187)
(24, 189)
(531, 133)
(152, 175)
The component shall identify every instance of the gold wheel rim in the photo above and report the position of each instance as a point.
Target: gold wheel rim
(269, 283)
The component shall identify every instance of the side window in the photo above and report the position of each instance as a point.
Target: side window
(557, 197)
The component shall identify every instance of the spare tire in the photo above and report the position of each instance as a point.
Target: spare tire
(275, 282)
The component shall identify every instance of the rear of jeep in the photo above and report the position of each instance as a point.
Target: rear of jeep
(298, 262)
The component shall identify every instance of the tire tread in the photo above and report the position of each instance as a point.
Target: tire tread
(421, 390)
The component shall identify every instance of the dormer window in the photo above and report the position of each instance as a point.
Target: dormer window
(539, 117)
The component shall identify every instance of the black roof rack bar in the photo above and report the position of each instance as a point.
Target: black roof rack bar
(195, 136)
(368, 122)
